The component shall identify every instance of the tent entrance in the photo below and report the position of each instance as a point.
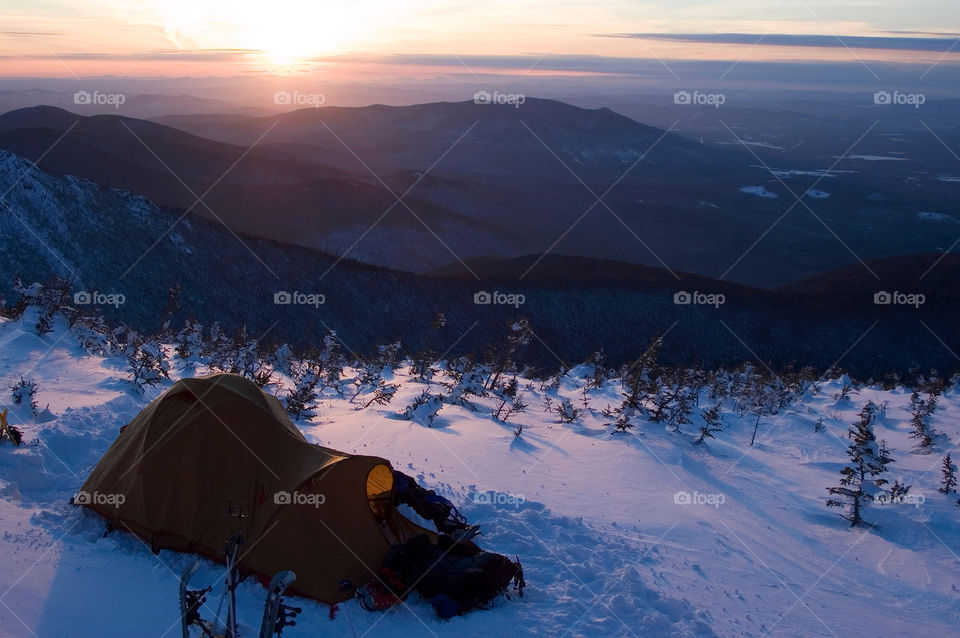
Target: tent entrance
(380, 490)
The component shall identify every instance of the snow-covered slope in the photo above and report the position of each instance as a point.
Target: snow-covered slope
(598, 519)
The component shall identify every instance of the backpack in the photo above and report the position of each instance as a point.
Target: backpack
(456, 576)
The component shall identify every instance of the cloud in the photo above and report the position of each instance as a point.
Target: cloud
(938, 44)
(30, 33)
(194, 55)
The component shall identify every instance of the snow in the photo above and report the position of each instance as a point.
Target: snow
(787, 172)
(935, 217)
(753, 143)
(607, 549)
(875, 158)
(759, 191)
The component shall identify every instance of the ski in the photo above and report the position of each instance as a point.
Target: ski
(184, 604)
(190, 601)
(275, 614)
(231, 552)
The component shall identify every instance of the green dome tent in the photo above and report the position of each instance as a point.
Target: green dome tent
(218, 440)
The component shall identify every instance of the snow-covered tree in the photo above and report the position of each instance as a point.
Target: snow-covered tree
(639, 380)
(565, 411)
(673, 401)
(245, 359)
(25, 392)
(465, 380)
(718, 384)
(598, 369)
(219, 349)
(280, 358)
(921, 415)
(502, 358)
(508, 388)
(51, 298)
(148, 362)
(189, 341)
(948, 484)
(424, 408)
(552, 383)
(94, 335)
(388, 356)
(622, 422)
(421, 368)
(763, 400)
(383, 393)
(847, 388)
(300, 401)
(509, 406)
(712, 423)
(898, 491)
(331, 361)
(861, 479)
(369, 376)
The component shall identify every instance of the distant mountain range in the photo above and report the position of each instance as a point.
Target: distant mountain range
(487, 182)
(114, 241)
(155, 102)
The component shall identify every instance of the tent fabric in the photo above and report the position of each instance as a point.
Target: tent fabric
(219, 441)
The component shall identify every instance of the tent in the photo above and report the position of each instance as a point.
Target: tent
(218, 442)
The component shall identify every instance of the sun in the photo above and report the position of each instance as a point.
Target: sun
(291, 31)
(283, 33)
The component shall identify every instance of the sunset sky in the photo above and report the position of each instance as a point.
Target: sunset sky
(175, 38)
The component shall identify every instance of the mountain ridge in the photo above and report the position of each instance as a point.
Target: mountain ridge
(481, 179)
